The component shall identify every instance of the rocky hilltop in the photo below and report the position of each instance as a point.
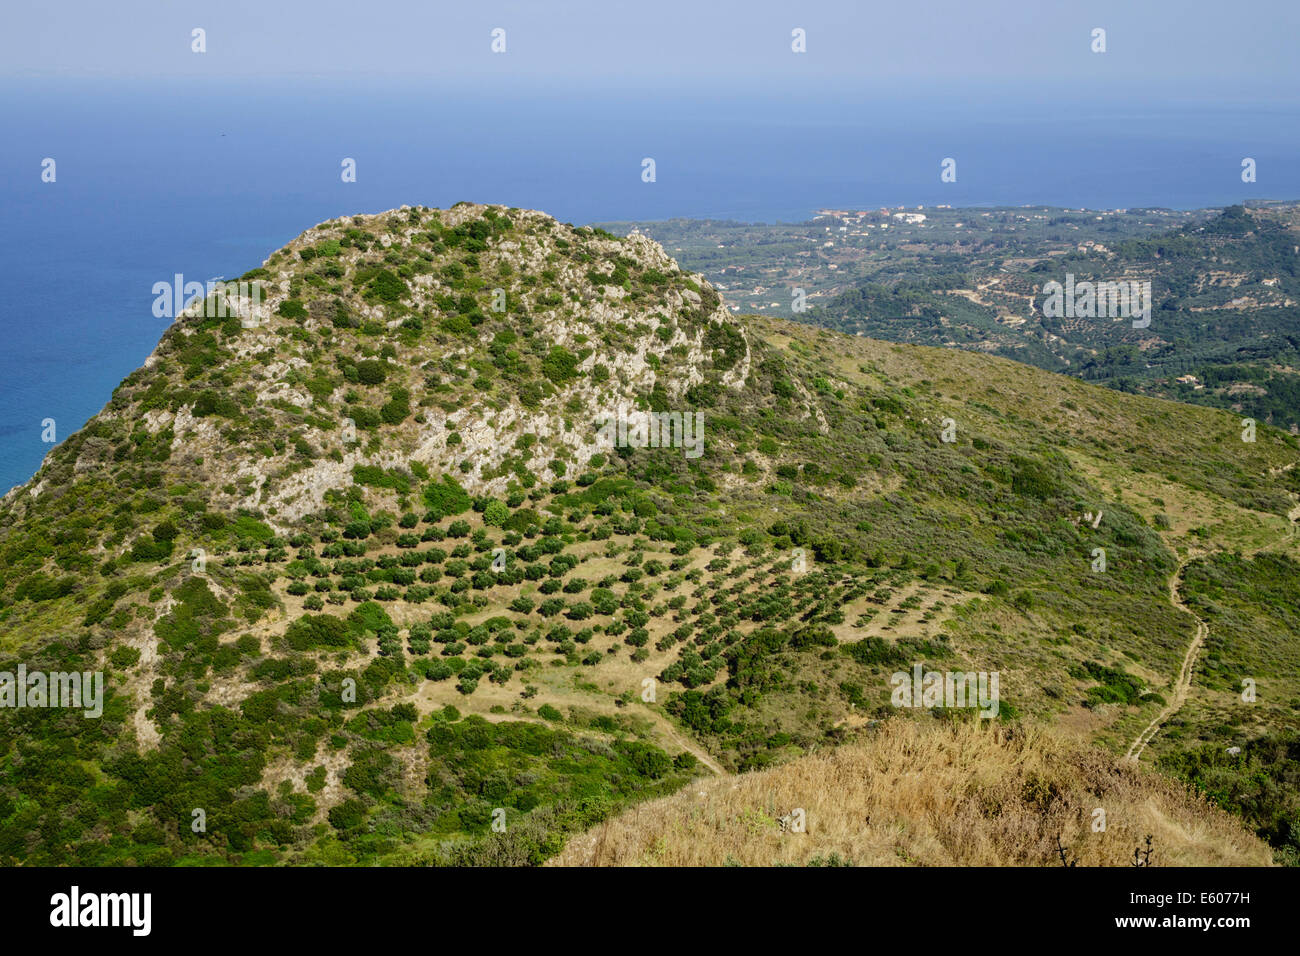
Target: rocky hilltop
(377, 322)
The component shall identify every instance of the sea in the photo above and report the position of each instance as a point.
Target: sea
(206, 177)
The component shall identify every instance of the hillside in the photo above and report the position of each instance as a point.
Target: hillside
(368, 584)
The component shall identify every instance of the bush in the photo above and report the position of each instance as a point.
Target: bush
(317, 630)
(560, 365)
(347, 815)
(445, 498)
(371, 372)
(496, 514)
(387, 287)
(398, 409)
(124, 657)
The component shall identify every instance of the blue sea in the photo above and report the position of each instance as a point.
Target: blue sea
(206, 178)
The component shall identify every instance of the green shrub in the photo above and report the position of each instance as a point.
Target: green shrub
(317, 630)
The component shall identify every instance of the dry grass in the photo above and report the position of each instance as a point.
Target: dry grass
(929, 794)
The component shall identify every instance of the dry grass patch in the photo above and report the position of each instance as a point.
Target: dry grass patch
(929, 794)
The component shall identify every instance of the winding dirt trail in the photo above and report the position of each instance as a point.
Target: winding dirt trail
(1184, 682)
(1183, 685)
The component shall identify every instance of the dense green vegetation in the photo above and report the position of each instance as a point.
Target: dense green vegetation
(1261, 783)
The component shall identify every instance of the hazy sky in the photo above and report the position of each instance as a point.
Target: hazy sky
(1243, 48)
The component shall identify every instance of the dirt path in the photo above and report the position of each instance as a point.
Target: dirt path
(1184, 682)
(1183, 685)
(666, 727)
(662, 724)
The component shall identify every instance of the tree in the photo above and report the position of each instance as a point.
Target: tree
(496, 514)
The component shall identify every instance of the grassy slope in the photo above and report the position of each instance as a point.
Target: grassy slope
(938, 795)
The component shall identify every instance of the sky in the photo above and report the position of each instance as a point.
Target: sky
(1243, 49)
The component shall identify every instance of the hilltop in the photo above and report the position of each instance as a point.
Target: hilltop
(368, 585)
